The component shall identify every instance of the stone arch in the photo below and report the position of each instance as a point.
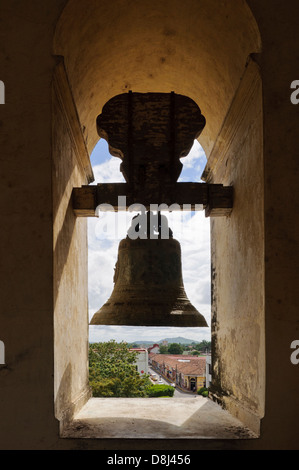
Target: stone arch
(201, 49)
(198, 49)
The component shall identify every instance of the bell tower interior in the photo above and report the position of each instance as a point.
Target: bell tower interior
(117, 50)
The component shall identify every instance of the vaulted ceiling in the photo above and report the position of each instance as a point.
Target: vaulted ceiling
(197, 48)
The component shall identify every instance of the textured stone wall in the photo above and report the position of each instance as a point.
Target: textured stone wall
(70, 256)
(238, 333)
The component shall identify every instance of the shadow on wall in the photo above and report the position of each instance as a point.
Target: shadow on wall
(63, 245)
(64, 407)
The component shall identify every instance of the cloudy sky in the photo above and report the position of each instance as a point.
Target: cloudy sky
(192, 230)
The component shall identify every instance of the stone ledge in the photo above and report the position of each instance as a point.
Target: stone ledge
(191, 417)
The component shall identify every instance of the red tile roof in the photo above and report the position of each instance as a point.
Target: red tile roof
(187, 365)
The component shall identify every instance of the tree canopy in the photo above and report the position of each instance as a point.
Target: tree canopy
(163, 349)
(178, 348)
(112, 371)
(203, 346)
(175, 348)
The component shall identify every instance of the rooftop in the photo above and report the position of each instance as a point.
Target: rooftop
(188, 365)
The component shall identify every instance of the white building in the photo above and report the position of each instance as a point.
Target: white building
(154, 349)
(141, 360)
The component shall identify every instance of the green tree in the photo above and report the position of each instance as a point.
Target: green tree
(175, 348)
(203, 346)
(195, 353)
(163, 349)
(112, 371)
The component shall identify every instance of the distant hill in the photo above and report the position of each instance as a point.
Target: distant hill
(178, 339)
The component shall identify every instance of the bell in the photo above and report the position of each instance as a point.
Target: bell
(149, 288)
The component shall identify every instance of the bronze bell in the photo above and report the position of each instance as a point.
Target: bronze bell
(149, 288)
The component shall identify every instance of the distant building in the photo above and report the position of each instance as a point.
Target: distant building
(155, 349)
(188, 372)
(141, 360)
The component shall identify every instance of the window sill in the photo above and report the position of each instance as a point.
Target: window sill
(191, 417)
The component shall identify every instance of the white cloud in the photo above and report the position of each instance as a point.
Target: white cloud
(195, 156)
(108, 171)
(193, 164)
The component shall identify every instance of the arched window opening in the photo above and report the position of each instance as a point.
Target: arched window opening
(210, 60)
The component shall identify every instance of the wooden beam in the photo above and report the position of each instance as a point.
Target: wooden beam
(216, 200)
(84, 201)
(220, 200)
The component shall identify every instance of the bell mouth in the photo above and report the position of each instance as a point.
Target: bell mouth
(139, 307)
(149, 288)
(174, 319)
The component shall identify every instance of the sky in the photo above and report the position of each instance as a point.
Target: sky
(192, 230)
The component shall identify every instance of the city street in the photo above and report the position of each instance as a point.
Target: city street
(177, 391)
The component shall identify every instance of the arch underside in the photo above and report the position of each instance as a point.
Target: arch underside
(195, 48)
